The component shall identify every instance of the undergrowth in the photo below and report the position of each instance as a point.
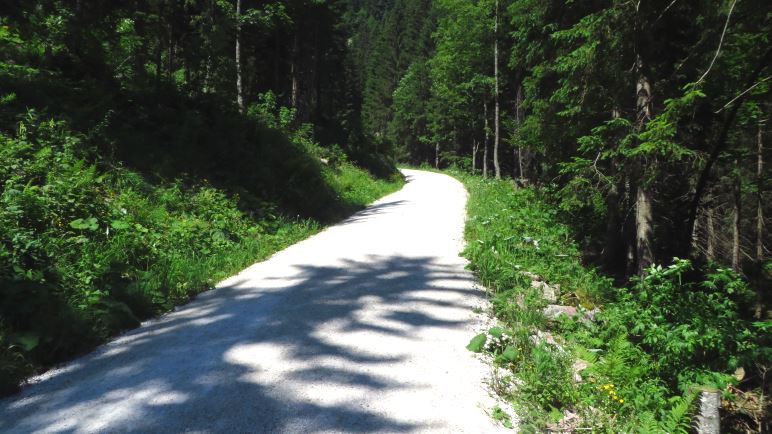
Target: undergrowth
(634, 358)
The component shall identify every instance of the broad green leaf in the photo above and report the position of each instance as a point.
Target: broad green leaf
(496, 331)
(477, 343)
(120, 224)
(83, 224)
(509, 354)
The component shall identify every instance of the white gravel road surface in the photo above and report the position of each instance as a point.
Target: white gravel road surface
(360, 328)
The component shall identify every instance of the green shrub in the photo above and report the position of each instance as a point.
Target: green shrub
(689, 327)
(547, 380)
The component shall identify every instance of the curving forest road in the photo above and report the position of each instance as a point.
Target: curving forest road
(360, 328)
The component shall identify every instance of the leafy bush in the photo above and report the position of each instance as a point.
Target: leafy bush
(689, 327)
(547, 378)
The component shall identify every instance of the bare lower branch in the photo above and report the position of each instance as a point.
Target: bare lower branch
(720, 42)
(741, 94)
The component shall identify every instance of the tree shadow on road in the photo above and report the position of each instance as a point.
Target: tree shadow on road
(184, 371)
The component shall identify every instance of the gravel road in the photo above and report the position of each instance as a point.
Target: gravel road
(360, 328)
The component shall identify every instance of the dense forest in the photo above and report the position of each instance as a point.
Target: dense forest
(137, 133)
(647, 118)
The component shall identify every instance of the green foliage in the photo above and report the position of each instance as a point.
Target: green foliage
(675, 419)
(502, 417)
(506, 238)
(688, 326)
(642, 356)
(355, 186)
(477, 343)
(547, 379)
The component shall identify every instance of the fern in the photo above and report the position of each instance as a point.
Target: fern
(678, 419)
(648, 424)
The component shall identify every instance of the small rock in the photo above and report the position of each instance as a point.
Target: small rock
(590, 314)
(549, 292)
(708, 419)
(541, 336)
(553, 311)
(570, 422)
(577, 367)
(739, 373)
(532, 276)
(520, 300)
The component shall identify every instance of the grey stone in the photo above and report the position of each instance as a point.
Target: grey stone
(553, 311)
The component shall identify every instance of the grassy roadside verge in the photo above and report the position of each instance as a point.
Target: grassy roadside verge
(88, 250)
(619, 359)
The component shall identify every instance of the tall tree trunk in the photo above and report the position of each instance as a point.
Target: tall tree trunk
(208, 68)
(759, 195)
(474, 155)
(736, 215)
(239, 88)
(629, 229)
(207, 72)
(316, 73)
(141, 53)
(186, 68)
(277, 58)
(436, 155)
(695, 235)
(158, 65)
(721, 142)
(643, 229)
(710, 234)
(485, 143)
(294, 71)
(759, 304)
(612, 249)
(643, 202)
(170, 55)
(615, 242)
(519, 123)
(496, 167)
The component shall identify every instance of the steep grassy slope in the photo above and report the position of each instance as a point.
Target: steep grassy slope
(89, 246)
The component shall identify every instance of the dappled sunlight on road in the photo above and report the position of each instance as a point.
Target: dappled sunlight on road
(359, 329)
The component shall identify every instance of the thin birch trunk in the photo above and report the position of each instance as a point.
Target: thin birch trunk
(239, 87)
(736, 216)
(710, 236)
(294, 71)
(759, 195)
(496, 166)
(485, 144)
(474, 155)
(170, 55)
(519, 121)
(759, 305)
